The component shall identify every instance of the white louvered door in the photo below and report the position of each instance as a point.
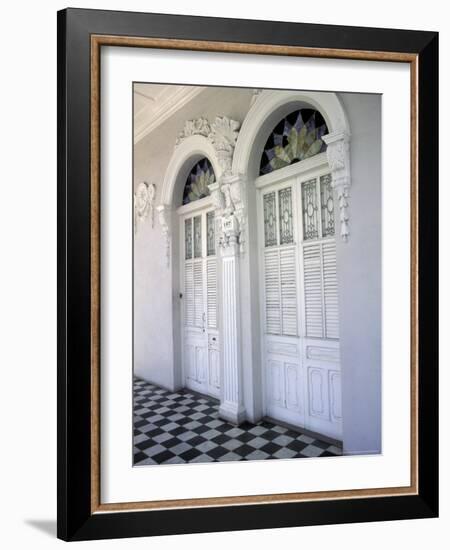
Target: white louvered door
(199, 303)
(300, 303)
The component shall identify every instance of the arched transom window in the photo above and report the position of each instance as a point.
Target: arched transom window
(196, 186)
(296, 137)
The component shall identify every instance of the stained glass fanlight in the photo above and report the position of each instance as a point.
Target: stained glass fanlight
(196, 187)
(296, 137)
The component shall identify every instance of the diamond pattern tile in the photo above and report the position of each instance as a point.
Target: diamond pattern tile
(182, 427)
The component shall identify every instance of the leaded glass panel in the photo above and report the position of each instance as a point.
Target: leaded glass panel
(270, 222)
(327, 205)
(285, 215)
(197, 237)
(210, 234)
(296, 137)
(310, 210)
(188, 239)
(196, 187)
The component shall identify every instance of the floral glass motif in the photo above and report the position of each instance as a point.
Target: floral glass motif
(270, 222)
(196, 187)
(310, 210)
(285, 215)
(327, 204)
(197, 237)
(188, 239)
(210, 234)
(296, 137)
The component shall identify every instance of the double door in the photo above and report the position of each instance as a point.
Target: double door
(201, 352)
(300, 303)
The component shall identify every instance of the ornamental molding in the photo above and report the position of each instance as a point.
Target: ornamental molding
(255, 95)
(217, 197)
(233, 213)
(223, 136)
(144, 201)
(196, 127)
(159, 109)
(224, 133)
(338, 155)
(164, 217)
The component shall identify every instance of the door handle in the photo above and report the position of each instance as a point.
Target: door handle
(203, 321)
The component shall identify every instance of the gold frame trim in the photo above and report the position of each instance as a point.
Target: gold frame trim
(97, 41)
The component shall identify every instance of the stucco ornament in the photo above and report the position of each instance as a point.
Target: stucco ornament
(223, 136)
(229, 204)
(233, 213)
(217, 197)
(199, 126)
(256, 93)
(164, 215)
(144, 200)
(338, 155)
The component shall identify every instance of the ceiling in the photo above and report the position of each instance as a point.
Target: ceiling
(155, 103)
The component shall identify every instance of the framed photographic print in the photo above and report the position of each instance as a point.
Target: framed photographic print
(247, 243)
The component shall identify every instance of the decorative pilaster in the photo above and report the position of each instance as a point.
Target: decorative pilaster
(164, 213)
(226, 195)
(233, 191)
(231, 403)
(338, 154)
(223, 136)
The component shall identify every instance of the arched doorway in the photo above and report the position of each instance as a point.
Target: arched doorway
(300, 320)
(290, 180)
(198, 282)
(183, 207)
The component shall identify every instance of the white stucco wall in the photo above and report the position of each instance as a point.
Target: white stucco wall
(359, 270)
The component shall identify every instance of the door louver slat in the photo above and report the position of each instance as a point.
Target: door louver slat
(198, 294)
(272, 292)
(280, 279)
(211, 292)
(288, 279)
(330, 290)
(321, 292)
(313, 291)
(189, 294)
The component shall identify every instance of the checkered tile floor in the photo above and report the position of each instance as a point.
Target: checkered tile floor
(175, 428)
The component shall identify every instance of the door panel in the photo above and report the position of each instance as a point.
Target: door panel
(316, 391)
(201, 356)
(284, 380)
(190, 361)
(335, 395)
(321, 359)
(276, 390)
(200, 359)
(291, 379)
(214, 372)
(300, 303)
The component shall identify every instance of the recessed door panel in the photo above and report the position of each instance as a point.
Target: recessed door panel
(199, 303)
(335, 395)
(276, 390)
(291, 377)
(317, 391)
(214, 372)
(190, 362)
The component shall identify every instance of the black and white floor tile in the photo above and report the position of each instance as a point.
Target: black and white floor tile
(181, 427)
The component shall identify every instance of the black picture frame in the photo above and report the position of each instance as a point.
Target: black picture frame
(76, 521)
